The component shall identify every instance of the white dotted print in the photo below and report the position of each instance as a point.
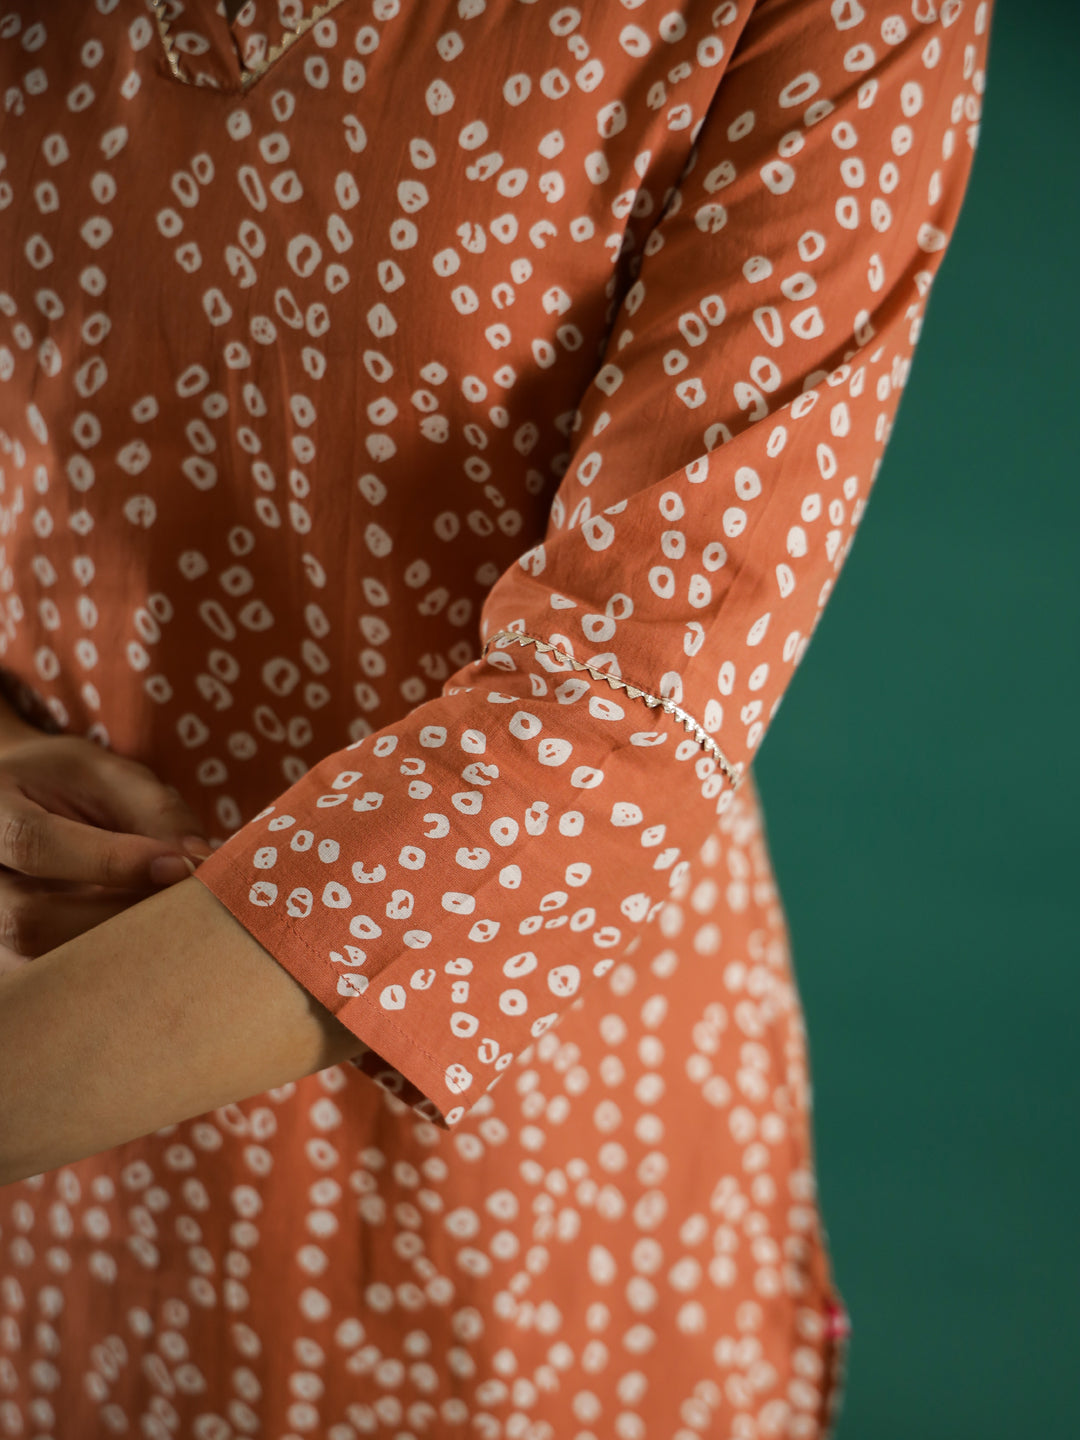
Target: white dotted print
(429, 437)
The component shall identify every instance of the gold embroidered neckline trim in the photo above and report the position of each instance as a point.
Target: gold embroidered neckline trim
(247, 77)
(166, 39)
(734, 773)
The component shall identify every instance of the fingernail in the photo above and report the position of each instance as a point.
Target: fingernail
(167, 869)
(196, 846)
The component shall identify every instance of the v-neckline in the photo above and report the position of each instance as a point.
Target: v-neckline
(207, 20)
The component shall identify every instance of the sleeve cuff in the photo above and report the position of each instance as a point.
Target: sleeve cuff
(395, 1059)
(448, 886)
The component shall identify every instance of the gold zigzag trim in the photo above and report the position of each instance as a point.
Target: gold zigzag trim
(248, 77)
(291, 36)
(158, 7)
(637, 692)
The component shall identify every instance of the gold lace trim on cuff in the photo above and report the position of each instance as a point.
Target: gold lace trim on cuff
(734, 773)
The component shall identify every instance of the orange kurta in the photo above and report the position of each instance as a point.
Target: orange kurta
(429, 435)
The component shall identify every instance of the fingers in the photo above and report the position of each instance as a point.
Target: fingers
(36, 842)
(34, 920)
(124, 794)
(44, 798)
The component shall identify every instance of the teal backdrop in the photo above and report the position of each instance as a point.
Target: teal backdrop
(921, 784)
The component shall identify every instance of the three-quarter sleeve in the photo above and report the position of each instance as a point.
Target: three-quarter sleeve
(450, 884)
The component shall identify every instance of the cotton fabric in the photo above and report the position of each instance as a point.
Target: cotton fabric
(430, 435)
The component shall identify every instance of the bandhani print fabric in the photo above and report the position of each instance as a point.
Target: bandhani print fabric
(429, 435)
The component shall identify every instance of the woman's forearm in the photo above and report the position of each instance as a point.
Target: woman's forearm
(166, 1011)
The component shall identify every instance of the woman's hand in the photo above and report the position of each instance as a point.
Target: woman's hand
(80, 830)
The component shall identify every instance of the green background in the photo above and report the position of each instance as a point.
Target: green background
(921, 785)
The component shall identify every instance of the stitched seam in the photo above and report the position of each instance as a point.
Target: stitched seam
(638, 692)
